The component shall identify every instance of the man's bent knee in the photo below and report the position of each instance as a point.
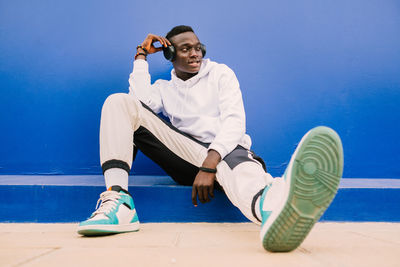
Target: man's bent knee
(121, 100)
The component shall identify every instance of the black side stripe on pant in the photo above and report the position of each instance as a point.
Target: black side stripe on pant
(253, 204)
(174, 128)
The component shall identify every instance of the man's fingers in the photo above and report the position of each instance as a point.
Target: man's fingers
(163, 41)
(166, 41)
(148, 43)
(204, 194)
(211, 190)
(194, 196)
(203, 188)
(159, 39)
(200, 193)
(210, 193)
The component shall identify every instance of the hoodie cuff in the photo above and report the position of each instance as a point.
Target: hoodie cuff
(220, 149)
(140, 65)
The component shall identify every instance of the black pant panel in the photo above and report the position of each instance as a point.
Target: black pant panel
(180, 170)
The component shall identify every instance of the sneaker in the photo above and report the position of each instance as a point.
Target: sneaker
(291, 207)
(116, 214)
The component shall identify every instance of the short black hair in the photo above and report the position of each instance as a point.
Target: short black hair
(178, 30)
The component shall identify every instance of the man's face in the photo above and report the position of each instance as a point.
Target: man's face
(188, 55)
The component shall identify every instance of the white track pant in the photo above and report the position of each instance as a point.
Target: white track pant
(128, 125)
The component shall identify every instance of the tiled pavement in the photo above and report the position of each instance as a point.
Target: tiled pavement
(198, 244)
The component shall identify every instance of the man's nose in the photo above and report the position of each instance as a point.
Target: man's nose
(194, 53)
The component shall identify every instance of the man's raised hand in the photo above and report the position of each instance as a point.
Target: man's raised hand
(148, 43)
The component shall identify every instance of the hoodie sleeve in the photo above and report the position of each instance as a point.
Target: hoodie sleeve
(232, 115)
(140, 86)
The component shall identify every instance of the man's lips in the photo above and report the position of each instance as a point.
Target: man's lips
(194, 63)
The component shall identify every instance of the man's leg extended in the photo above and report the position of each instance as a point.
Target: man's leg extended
(243, 180)
(291, 206)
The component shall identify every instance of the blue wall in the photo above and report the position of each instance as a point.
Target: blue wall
(300, 64)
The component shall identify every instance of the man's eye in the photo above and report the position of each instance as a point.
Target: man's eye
(184, 49)
(198, 48)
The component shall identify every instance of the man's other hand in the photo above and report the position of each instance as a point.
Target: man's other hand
(203, 187)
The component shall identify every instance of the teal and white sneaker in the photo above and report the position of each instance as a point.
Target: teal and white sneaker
(291, 206)
(116, 214)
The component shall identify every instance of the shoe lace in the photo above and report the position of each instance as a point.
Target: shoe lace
(108, 201)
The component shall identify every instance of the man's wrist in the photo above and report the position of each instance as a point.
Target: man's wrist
(208, 170)
(141, 52)
(212, 159)
(140, 48)
(140, 56)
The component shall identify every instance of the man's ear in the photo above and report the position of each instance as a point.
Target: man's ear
(203, 49)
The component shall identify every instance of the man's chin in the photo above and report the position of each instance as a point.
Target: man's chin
(188, 70)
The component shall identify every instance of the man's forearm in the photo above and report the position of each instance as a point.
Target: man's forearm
(212, 159)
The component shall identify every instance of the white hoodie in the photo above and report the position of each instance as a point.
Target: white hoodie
(208, 106)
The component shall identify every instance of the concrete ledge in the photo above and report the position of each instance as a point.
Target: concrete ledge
(159, 199)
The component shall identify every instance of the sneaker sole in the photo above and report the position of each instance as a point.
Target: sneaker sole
(314, 175)
(100, 230)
